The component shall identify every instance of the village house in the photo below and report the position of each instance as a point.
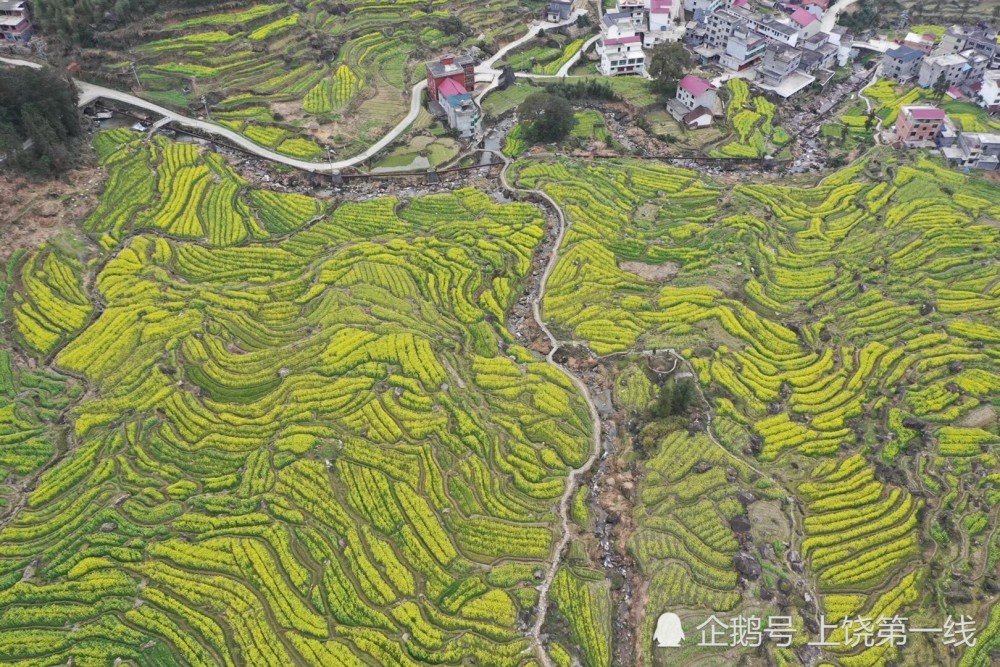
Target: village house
(819, 52)
(923, 43)
(620, 21)
(15, 21)
(460, 109)
(919, 126)
(558, 11)
(808, 24)
(702, 8)
(744, 48)
(981, 38)
(636, 10)
(816, 7)
(990, 91)
(621, 53)
(693, 91)
(780, 61)
(449, 85)
(974, 150)
(954, 67)
(695, 103)
(461, 70)
(665, 22)
(902, 64)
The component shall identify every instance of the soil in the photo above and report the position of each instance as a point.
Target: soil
(32, 212)
(656, 272)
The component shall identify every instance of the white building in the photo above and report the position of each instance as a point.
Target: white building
(694, 91)
(806, 22)
(665, 22)
(953, 66)
(990, 91)
(743, 49)
(621, 54)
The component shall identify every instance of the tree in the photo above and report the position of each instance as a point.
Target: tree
(39, 123)
(667, 63)
(451, 25)
(940, 87)
(674, 399)
(547, 118)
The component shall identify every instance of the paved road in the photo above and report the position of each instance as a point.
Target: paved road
(485, 71)
(567, 66)
(90, 92)
(830, 18)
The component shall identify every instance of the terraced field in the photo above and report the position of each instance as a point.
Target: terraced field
(298, 78)
(846, 337)
(752, 120)
(304, 439)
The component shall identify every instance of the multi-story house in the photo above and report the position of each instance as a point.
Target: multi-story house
(819, 52)
(923, 43)
(806, 22)
(665, 18)
(15, 21)
(990, 91)
(953, 67)
(461, 70)
(721, 24)
(621, 54)
(919, 125)
(902, 63)
(459, 107)
(780, 60)
(743, 49)
(636, 9)
(558, 11)
(974, 150)
(694, 91)
(981, 38)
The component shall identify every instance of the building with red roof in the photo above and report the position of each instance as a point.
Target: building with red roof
(919, 125)
(621, 53)
(694, 91)
(450, 67)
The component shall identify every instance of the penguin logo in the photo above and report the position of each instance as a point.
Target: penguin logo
(669, 632)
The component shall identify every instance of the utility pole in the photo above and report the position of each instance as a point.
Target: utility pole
(204, 100)
(329, 159)
(136, 75)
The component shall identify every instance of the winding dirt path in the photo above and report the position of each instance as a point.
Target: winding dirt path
(572, 481)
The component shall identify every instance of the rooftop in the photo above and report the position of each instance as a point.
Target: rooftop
(695, 85)
(696, 113)
(11, 5)
(438, 69)
(947, 60)
(979, 139)
(803, 17)
(618, 41)
(451, 87)
(905, 54)
(923, 113)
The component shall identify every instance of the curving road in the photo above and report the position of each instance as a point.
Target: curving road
(485, 73)
(90, 92)
(567, 66)
(829, 19)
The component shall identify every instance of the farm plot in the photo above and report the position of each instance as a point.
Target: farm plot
(837, 330)
(297, 80)
(754, 133)
(304, 440)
